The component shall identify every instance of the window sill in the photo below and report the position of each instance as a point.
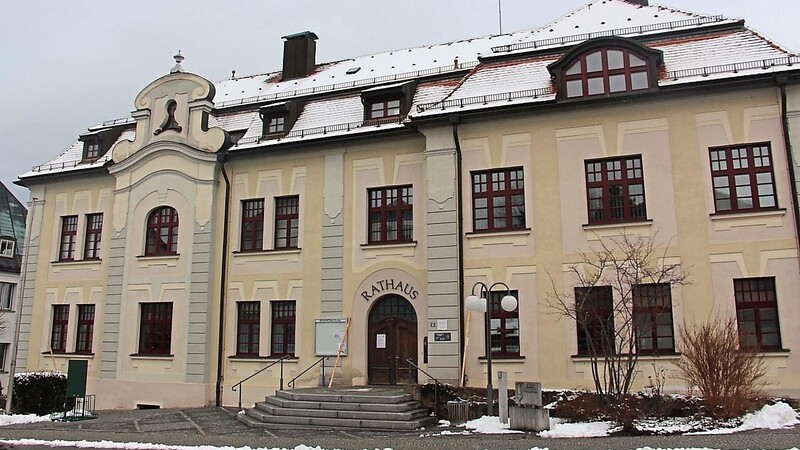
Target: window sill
(372, 251)
(605, 230)
(160, 260)
(503, 359)
(643, 357)
(77, 262)
(515, 237)
(274, 255)
(767, 218)
(71, 355)
(140, 356)
(778, 353)
(269, 359)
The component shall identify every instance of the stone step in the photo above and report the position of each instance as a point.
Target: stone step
(258, 419)
(374, 407)
(411, 414)
(380, 396)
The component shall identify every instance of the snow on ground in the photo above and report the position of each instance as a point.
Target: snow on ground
(772, 417)
(488, 425)
(15, 419)
(562, 429)
(140, 445)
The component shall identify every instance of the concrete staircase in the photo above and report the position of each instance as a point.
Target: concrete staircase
(386, 408)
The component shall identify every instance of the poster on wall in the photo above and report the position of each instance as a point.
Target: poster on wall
(380, 341)
(328, 334)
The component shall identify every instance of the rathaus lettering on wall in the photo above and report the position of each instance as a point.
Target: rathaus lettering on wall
(390, 285)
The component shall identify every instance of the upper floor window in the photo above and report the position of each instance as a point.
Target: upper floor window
(287, 218)
(7, 248)
(391, 214)
(615, 190)
(252, 225)
(498, 199)
(69, 230)
(742, 177)
(274, 125)
(606, 71)
(162, 232)
(757, 313)
(94, 232)
(382, 109)
(91, 151)
(6, 295)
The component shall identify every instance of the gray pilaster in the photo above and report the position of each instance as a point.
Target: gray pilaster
(199, 329)
(109, 352)
(332, 257)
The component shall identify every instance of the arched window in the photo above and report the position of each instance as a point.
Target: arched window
(162, 232)
(606, 66)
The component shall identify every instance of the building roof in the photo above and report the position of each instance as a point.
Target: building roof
(472, 74)
(12, 225)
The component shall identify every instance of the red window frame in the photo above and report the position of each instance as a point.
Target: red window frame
(742, 178)
(83, 342)
(252, 238)
(155, 329)
(595, 306)
(94, 234)
(275, 125)
(248, 327)
(615, 190)
(391, 214)
(757, 313)
(58, 338)
(69, 233)
(162, 232)
(287, 220)
(384, 109)
(504, 326)
(498, 199)
(283, 328)
(627, 72)
(652, 318)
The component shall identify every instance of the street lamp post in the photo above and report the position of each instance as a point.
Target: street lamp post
(480, 303)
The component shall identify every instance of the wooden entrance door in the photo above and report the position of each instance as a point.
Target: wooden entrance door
(392, 341)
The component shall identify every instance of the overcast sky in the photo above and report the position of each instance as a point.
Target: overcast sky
(67, 65)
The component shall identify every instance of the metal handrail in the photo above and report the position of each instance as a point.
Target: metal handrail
(290, 384)
(239, 384)
(436, 384)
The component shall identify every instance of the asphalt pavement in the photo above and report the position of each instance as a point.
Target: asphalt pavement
(219, 427)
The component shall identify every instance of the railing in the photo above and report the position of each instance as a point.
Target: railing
(436, 384)
(239, 384)
(484, 99)
(619, 31)
(291, 382)
(734, 67)
(324, 130)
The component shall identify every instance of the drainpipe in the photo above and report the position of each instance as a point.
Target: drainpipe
(782, 81)
(221, 157)
(454, 120)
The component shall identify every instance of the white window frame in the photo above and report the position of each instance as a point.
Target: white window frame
(7, 295)
(7, 248)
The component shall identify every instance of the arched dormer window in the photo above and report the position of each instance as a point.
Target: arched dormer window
(162, 232)
(606, 66)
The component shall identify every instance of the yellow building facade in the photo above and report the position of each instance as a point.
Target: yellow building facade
(278, 221)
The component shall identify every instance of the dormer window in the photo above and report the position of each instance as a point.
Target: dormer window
(606, 71)
(91, 151)
(279, 118)
(383, 109)
(275, 125)
(6, 248)
(606, 66)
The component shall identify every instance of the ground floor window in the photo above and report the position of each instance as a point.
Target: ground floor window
(155, 329)
(504, 326)
(757, 313)
(3, 355)
(248, 328)
(58, 339)
(283, 326)
(652, 318)
(594, 308)
(85, 329)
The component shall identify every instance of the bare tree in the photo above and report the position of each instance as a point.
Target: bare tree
(623, 272)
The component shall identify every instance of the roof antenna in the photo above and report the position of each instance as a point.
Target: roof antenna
(500, 15)
(233, 74)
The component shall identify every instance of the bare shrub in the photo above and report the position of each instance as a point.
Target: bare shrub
(729, 378)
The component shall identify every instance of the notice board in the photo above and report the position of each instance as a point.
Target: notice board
(327, 335)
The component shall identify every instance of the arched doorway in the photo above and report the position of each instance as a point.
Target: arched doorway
(392, 341)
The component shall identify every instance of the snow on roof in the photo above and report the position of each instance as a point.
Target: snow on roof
(725, 53)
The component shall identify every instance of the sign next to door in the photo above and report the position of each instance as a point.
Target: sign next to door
(390, 285)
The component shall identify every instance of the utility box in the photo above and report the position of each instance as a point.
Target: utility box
(529, 394)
